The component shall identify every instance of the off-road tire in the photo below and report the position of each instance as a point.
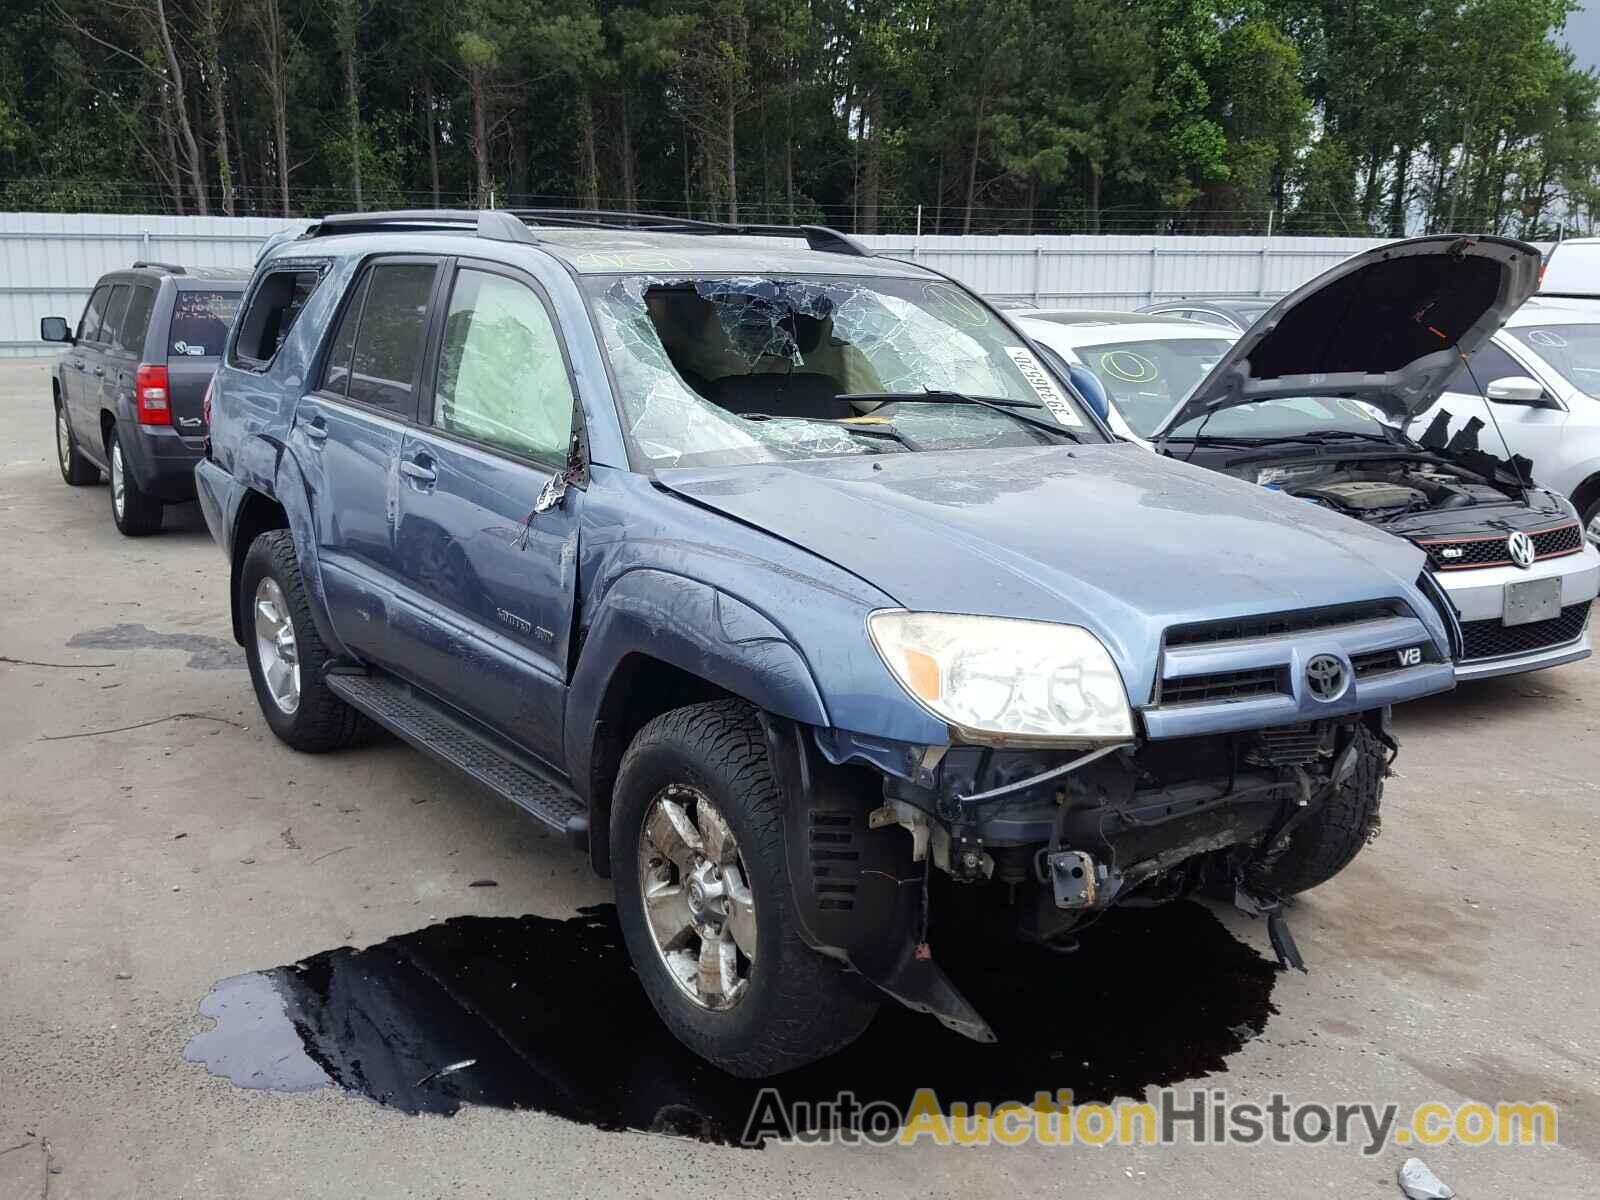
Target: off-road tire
(1330, 837)
(76, 470)
(800, 1006)
(141, 512)
(322, 721)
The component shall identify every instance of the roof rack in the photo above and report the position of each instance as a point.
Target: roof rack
(818, 237)
(486, 223)
(511, 225)
(169, 268)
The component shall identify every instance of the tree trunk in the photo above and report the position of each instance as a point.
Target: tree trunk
(349, 19)
(268, 20)
(590, 163)
(480, 134)
(788, 153)
(733, 157)
(972, 165)
(244, 160)
(630, 194)
(210, 35)
(431, 136)
(1094, 197)
(186, 139)
(688, 198)
(872, 168)
(175, 169)
(1397, 194)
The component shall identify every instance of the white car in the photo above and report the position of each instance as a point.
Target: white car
(1508, 554)
(1538, 381)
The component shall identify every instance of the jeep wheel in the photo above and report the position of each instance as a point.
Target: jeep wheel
(135, 512)
(285, 652)
(1329, 838)
(76, 470)
(697, 857)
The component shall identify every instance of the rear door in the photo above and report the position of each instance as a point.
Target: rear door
(486, 616)
(347, 436)
(197, 327)
(112, 370)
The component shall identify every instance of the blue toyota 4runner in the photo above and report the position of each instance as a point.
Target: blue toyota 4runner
(789, 582)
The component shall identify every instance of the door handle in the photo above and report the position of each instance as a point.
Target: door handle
(77, 364)
(418, 472)
(100, 371)
(317, 432)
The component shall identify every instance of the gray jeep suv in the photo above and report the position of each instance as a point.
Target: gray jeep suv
(129, 391)
(789, 582)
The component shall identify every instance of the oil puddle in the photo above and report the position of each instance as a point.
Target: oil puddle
(546, 1015)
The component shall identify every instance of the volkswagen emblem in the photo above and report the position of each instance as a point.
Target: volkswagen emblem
(1520, 546)
(1325, 676)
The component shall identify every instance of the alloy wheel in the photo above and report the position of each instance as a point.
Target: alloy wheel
(276, 650)
(697, 903)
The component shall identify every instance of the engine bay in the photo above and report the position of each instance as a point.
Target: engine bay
(1386, 490)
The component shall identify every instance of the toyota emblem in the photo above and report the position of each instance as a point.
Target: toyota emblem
(1325, 676)
(1520, 546)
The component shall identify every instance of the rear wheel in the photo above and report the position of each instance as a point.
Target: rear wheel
(1329, 838)
(286, 653)
(703, 898)
(135, 512)
(76, 470)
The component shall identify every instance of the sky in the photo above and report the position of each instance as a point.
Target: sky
(1583, 33)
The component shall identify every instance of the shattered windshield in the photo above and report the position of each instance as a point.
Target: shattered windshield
(1147, 379)
(1574, 350)
(741, 369)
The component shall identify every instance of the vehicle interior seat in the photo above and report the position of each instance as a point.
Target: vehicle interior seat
(786, 394)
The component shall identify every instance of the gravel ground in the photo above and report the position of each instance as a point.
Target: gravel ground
(1454, 961)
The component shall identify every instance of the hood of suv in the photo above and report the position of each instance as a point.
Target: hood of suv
(1387, 326)
(1110, 537)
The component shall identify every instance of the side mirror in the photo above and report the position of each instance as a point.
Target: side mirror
(54, 329)
(1517, 389)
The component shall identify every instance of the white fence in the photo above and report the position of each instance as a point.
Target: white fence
(49, 262)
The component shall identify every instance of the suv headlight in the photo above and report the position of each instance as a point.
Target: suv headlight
(1005, 681)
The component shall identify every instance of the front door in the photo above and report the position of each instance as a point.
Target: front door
(347, 439)
(486, 619)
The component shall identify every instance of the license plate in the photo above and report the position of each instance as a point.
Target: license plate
(1532, 600)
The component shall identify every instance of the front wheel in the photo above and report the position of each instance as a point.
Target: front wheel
(76, 470)
(697, 855)
(1329, 838)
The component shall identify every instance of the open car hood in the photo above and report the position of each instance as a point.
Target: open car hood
(1387, 326)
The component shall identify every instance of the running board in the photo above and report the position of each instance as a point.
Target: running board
(437, 732)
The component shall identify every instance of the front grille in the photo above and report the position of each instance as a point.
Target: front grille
(1379, 662)
(1273, 624)
(1224, 686)
(1491, 639)
(1489, 549)
(1287, 745)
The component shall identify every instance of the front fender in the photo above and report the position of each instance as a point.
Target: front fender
(698, 628)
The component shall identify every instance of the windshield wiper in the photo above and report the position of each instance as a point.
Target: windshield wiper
(884, 431)
(1003, 405)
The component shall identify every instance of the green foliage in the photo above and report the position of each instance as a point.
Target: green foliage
(1338, 116)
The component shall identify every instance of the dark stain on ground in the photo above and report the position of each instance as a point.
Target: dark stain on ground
(556, 1022)
(205, 653)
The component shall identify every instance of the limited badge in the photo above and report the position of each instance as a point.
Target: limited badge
(1044, 386)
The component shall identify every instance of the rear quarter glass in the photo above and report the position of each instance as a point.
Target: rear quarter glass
(200, 322)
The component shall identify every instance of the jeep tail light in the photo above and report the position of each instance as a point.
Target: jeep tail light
(150, 396)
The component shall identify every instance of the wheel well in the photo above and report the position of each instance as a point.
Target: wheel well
(640, 689)
(1586, 493)
(258, 514)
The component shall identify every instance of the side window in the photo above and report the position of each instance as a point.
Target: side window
(116, 310)
(137, 323)
(275, 303)
(383, 366)
(502, 378)
(1488, 363)
(93, 313)
(336, 375)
